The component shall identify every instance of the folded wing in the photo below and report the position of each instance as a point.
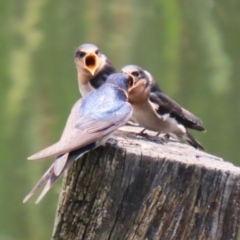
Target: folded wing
(86, 131)
(166, 105)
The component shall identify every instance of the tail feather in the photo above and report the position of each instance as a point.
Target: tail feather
(61, 163)
(40, 183)
(49, 178)
(45, 189)
(192, 141)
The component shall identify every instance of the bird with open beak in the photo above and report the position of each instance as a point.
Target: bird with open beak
(156, 111)
(92, 120)
(93, 67)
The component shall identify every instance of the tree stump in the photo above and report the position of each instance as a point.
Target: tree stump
(142, 189)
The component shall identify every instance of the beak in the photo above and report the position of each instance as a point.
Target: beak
(91, 63)
(131, 79)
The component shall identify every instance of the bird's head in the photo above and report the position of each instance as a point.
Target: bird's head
(89, 59)
(121, 81)
(140, 89)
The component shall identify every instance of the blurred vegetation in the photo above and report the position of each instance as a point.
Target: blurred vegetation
(191, 47)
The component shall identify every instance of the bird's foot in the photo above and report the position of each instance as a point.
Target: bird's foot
(167, 136)
(142, 133)
(162, 139)
(111, 142)
(158, 138)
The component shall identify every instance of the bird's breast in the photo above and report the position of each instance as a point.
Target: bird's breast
(146, 116)
(85, 88)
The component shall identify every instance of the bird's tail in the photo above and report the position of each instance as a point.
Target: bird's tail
(49, 178)
(192, 141)
(61, 163)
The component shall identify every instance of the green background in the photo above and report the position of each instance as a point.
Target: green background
(191, 47)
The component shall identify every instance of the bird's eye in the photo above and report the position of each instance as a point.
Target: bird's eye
(135, 74)
(80, 54)
(97, 52)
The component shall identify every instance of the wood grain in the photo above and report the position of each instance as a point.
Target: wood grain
(139, 188)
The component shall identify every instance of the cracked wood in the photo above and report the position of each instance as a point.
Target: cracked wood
(143, 189)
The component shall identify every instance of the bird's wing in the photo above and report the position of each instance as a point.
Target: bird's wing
(72, 119)
(168, 106)
(86, 131)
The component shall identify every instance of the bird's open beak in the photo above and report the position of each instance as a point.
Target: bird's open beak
(136, 87)
(131, 80)
(91, 63)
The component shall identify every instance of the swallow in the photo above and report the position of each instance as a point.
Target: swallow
(92, 120)
(154, 110)
(93, 67)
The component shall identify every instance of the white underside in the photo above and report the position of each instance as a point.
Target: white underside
(85, 89)
(147, 117)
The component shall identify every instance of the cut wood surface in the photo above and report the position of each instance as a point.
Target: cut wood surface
(139, 188)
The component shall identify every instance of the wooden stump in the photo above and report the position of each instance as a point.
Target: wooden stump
(143, 189)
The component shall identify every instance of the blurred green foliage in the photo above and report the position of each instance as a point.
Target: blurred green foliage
(191, 47)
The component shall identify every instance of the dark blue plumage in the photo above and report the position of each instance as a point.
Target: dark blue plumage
(109, 99)
(92, 119)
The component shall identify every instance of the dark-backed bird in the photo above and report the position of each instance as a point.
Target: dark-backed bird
(93, 67)
(90, 123)
(154, 110)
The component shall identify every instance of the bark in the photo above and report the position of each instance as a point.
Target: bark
(140, 188)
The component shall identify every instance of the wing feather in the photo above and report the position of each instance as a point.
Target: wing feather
(167, 105)
(80, 136)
